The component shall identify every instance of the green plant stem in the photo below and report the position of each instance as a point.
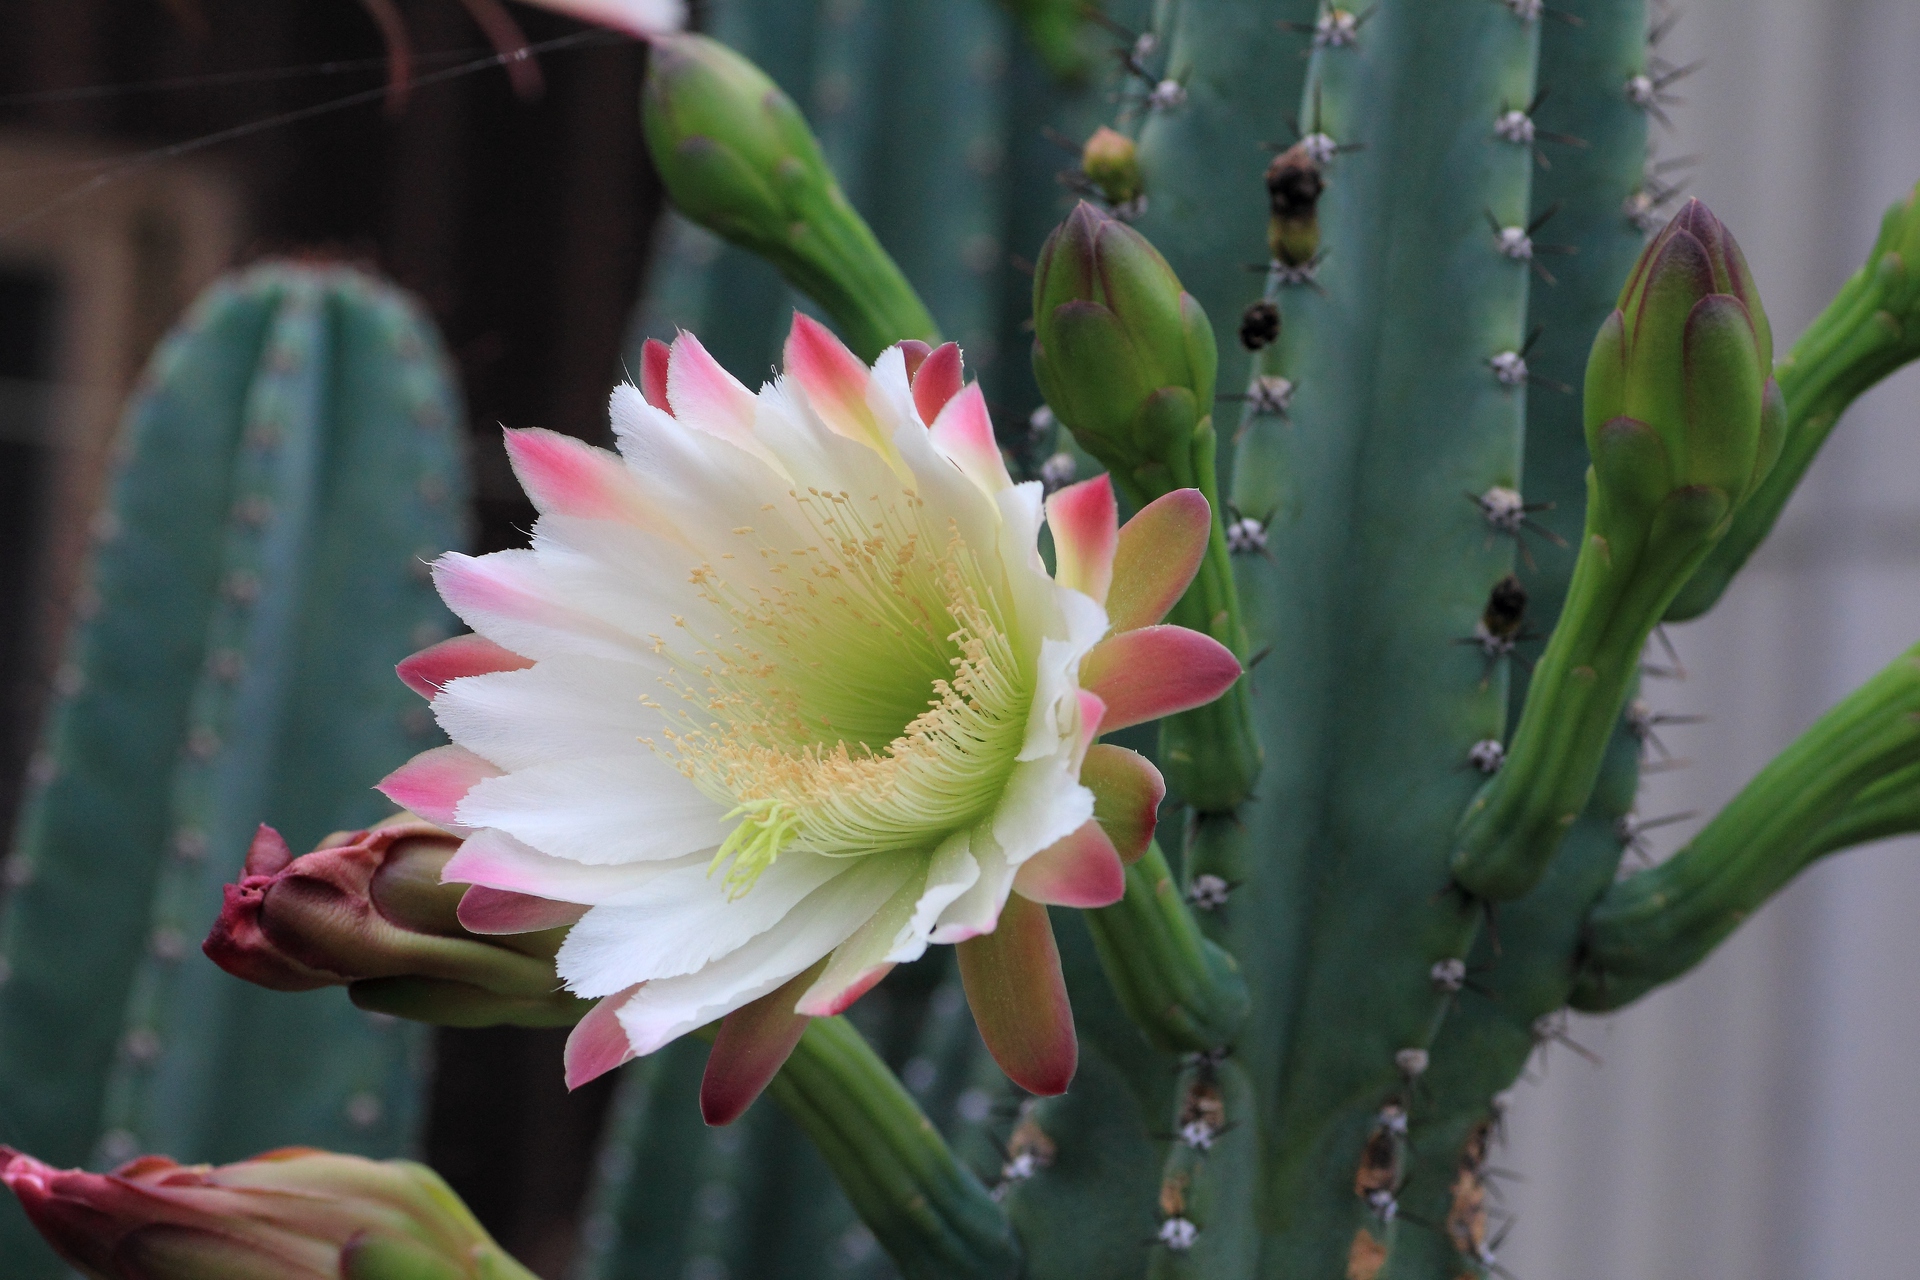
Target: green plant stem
(1620, 586)
(1184, 992)
(927, 1211)
(1211, 755)
(1887, 808)
(1653, 927)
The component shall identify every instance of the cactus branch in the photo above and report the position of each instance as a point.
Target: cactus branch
(1653, 927)
(928, 1212)
(1184, 992)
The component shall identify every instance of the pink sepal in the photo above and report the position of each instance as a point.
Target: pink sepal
(1158, 552)
(1019, 998)
(936, 381)
(913, 354)
(752, 1045)
(428, 671)
(491, 911)
(655, 356)
(433, 783)
(1156, 671)
(599, 1043)
(267, 854)
(1080, 870)
(1086, 526)
(1127, 791)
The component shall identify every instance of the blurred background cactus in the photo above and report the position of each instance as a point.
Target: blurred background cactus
(1405, 846)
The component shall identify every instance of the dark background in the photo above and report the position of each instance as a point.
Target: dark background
(522, 224)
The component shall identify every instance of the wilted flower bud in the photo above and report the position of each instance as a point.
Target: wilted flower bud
(1123, 354)
(367, 911)
(737, 157)
(1680, 391)
(294, 1214)
(1112, 163)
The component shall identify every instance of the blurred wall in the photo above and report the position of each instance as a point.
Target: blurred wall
(1757, 1120)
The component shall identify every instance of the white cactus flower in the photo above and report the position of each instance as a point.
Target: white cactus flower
(784, 693)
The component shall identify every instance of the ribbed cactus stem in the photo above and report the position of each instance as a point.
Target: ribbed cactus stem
(1659, 923)
(933, 1216)
(1184, 992)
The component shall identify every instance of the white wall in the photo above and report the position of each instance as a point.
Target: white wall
(1760, 1120)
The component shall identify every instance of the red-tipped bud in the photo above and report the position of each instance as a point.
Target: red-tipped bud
(367, 910)
(295, 1214)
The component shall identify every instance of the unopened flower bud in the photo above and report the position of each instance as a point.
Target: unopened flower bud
(294, 1214)
(738, 158)
(1112, 163)
(1123, 354)
(367, 910)
(1680, 391)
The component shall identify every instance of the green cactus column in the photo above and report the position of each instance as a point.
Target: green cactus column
(293, 459)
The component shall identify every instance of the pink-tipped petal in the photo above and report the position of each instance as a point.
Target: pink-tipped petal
(1086, 528)
(834, 380)
(1127, 791)
(433, 783)
(848, 996)
(599, 1043)
(937, 381)
(752, 1045)
(1156, 671)
(1159, 551)
(655, 357)
(568, 477)
(428, 671)
(1082, 870)
(1019, 998)
(706, 396)
(502, 911)
(964, 433)
(268, 853)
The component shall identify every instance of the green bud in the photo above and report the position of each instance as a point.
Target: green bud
(1683, 422)
(1687, 353)
(1123, 354)
(738, 158)
(1112, 163)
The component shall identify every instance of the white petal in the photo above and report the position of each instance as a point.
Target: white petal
(952, 872)
(1043, 802)
(599, 811)
(1055, 715)
(498, 861)
(559, 709)
(685, 923)
(663, 1010)
(975, 911)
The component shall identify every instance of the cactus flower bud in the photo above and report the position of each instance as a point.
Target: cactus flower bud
(1684, 421)
(1680, 389)
(293, 1214)
(738, 158)
(1112, 163)
(1124, 355)
(367, 911)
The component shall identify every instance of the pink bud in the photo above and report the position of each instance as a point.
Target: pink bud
(285, 1215)
(368, 910)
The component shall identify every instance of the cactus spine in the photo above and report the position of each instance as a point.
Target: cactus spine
(292, 460)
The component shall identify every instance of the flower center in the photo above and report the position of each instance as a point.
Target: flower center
(858, 695)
